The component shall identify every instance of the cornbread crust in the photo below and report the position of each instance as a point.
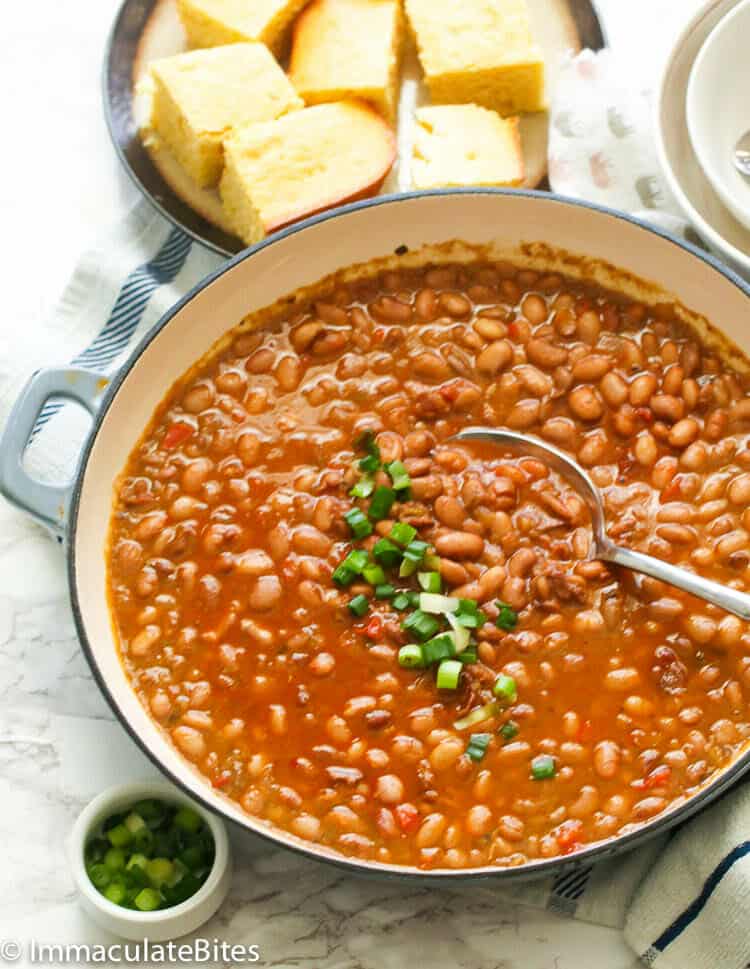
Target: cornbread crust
(212, 23)
(300, 164)
(465, 144)
(200, 95)
(479, 51)
(349, 48)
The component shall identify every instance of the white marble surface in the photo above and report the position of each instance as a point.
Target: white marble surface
(58, 742)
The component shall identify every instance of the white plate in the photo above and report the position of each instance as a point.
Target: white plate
(693, 192)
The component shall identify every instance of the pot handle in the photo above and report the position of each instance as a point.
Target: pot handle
(46, 503)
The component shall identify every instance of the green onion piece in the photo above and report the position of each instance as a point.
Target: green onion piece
(469, 614)
(468, 655)
(343, 576)
(507, 618)
(159, 870)
(431, 560)
(398, 475)
(505, 688)
(359, 605)
(436, 603)
(386, 553)
(421, 625)
(358, 522)
(115, 892)
(151, 811)
(413, 555)
(384, 591)
(147, 900)
(381, 503)
(461, 635)
(402, 534)
(401, 601)
(364, 487)
(509, 730)
(479, 715)
(373, 574)
(100, 876)
(430, 581)
(134, 822)
(448, 674)
(366, 442)
(410, 656)
(356, 560)
(369, 464)
(543, 767)
(439, 648)
(115, 859)
(136, 861)
(119, 836)
(477, 746)
(413, 596)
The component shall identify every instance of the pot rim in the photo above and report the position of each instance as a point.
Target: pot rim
(532, 870)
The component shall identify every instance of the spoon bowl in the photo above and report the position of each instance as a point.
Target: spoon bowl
(604, 548)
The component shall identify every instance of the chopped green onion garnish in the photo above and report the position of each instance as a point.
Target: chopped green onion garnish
(134, 822)
(115, 859)
(469, 614)
(479, 715)
(147, 900)
(356, 560)
(439, 604)
(509, 730)
(402, 534)
(115, 892)
(430, 581)
(543, 767)
(421, 625)
(384, 591)
(370, 464)
(448, 674)
(461, 635)
(358, 522)
(119, 836)
(100, 876)
(373, 574)
(410, 656)
(401, 601)
(343, 576)
(477, 746)
(468, 655)
(507, 618)
(439, 648)
(366, 442)
(380, 505)
(505, 688)
(386, 553)
(431, 560)
(413, 596)
(359, 605)
(398, 475)
(363, 488)
(413, 555)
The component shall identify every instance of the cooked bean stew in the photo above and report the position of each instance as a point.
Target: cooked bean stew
(398, 647)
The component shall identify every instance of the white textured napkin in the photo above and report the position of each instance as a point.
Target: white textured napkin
(684, 901)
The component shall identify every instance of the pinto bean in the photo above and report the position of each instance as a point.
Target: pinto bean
(586, 403)
(494, 357)
(459, 545)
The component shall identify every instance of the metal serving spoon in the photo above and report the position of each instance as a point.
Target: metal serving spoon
(604, 548)
(741, 155)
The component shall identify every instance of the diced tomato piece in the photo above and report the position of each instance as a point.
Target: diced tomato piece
(374, 627)
(222, 779)
(449, 392)
(568, 835)
(176, 434)
(408, 818)
(645, 415)
(658, 777)
(514, 331)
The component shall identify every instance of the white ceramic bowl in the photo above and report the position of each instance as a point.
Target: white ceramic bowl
(718, 107)
(684, 177)
(168, 923)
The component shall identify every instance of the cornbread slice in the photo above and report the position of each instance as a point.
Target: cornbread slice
(211, 23)
(479, 51)
(349, 48)
(200, 95)
(300, 164)
(464, 144)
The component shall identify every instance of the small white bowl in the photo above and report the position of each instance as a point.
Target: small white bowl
(164, 924)
(682, 172)
(718, 107)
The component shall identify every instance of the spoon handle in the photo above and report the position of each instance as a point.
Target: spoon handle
(720, 595)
